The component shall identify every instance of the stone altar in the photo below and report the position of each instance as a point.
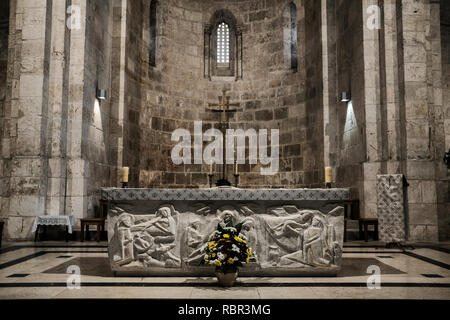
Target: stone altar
(162, 232)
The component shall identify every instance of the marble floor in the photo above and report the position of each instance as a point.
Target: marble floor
(31, 270)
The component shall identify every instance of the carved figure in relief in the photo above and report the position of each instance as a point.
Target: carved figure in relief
(195, 238)
(148, 243)
(306, 237)
(125, 236)
(249, 230)
(288, 233)
(224, 218)
(162, 227)
(152, 254)
(314, 243)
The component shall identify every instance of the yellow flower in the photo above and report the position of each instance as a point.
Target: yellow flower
(249, 252)
(230, 260)
(218, 263)
(226, 236)
(237, 239)
(212, 244)
(213, 254)
(248, 259)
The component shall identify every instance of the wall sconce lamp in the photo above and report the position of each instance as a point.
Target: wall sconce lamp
(447, 159)
(101, 94)
(345, 96)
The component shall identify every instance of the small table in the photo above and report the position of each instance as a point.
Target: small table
(68, 221)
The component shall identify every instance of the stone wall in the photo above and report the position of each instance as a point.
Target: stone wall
(25, 117)
(59, 145)
(175, 92)
(443, 186)
(96, 113)
(55, 143)
(396, 121)
(4, 30)
(350, 117)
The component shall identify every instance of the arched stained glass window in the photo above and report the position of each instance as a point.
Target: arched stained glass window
(223, 43)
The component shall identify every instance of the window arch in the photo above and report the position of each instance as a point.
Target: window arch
(222, 46)
(290, 36)
(153, 25)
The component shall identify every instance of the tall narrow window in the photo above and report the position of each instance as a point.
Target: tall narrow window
(290, 36)
(293, 10)
(152, 58)
(223, 43)
(222, 47)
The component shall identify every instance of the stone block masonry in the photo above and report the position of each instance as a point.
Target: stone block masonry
(59, 145)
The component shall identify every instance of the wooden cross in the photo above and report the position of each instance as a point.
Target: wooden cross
(224, 109)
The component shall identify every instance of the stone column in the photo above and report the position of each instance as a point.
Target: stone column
(24, 142)
(77, 166)
(420, 106)
(57, 111)
(118, 106)
(373, 111)
(443, 185)
(330, 101)
(395, 114)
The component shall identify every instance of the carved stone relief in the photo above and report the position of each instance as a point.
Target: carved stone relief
(146, 240)
(280, 236)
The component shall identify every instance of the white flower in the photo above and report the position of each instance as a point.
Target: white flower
(205, 257)
(220, 256)
(242, 236)
(230, 229)
(235, 248)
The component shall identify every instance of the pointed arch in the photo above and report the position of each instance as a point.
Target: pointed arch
(223, 46)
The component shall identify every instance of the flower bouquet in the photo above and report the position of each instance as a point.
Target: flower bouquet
(227, 250)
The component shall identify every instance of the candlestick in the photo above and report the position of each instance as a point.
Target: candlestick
(236, 180)
(125, 171)
(211, 168)
(236, 171)
(328, 178)
(210, 179)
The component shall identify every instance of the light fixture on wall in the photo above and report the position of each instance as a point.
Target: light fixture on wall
(101, 94)
(345, 96)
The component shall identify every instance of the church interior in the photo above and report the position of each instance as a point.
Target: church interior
(353, 98)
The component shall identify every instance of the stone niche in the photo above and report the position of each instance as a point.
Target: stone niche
(163, 232)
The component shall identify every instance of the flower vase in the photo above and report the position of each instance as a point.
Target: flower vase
(226, 279)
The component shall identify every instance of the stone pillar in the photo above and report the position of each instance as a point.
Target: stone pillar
(77, 166)
(118, 106)
(394, 113)
(57, 112)
(443, 185)
(373, 111)
(419, 40)
(24, 142)
(330, 101)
